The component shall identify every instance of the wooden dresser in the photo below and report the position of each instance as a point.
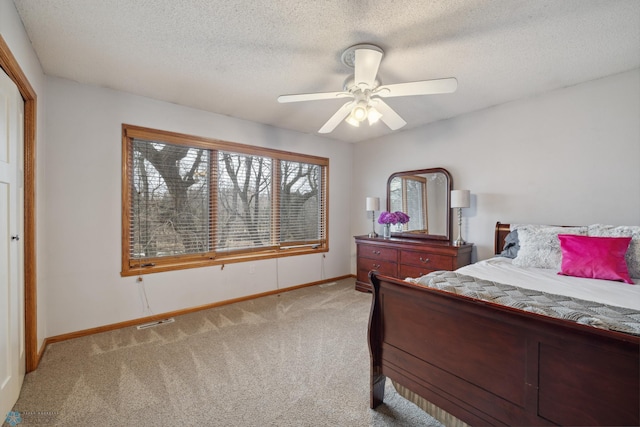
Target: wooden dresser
(402, 257)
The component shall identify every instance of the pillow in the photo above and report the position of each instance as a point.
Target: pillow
(595, 257)
(511, 245)
(633, 253)
(540, 247)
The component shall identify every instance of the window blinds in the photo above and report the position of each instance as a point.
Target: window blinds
(193, 200)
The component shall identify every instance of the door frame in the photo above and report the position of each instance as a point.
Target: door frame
(10, 66)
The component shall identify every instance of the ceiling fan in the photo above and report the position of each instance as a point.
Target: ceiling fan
(366, 91)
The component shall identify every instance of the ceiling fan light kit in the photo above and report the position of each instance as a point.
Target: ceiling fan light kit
(366, 91)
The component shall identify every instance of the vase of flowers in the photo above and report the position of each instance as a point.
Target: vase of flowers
(389, 218)
(386, 231)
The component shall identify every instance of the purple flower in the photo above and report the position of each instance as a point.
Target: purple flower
(403, 218)
(393, 217)
(387, 218)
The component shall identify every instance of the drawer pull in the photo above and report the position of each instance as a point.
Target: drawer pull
(376, 266)
(424, 260)
(376, 252)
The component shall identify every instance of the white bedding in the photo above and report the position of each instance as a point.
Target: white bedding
(502, 270)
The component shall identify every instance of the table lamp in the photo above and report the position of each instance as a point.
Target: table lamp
(373, 205)
(460, 199)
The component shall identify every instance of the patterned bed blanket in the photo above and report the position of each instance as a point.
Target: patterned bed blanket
(577, 310)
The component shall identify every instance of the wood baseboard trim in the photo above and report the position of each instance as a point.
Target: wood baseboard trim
(155, 317)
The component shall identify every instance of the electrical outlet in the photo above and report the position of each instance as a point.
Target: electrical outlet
(252, 268)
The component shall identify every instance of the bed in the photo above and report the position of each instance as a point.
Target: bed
(481, 363)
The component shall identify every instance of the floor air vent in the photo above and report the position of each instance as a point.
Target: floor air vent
(324, 285)
(156, 323)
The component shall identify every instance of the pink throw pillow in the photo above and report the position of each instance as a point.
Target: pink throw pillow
(595, 257)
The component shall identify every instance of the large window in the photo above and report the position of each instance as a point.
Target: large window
(190, 202)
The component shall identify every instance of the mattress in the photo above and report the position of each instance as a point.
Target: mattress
(502, 270)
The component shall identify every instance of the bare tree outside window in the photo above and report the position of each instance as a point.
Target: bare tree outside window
(244, 201)
(170, 200)
(299, 214)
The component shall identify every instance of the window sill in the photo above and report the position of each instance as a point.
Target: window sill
(162, 265)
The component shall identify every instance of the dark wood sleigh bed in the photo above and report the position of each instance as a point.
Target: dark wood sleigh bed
(487, 364)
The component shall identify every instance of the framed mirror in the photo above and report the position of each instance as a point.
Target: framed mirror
(424, 195)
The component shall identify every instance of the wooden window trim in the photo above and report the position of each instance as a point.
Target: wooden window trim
(178, 262)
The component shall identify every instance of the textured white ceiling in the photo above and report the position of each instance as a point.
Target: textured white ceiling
(236, 57)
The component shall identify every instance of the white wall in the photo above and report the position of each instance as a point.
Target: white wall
(82, 190)
(570, 156)
(16, 38)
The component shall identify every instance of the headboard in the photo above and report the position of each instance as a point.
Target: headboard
(501, 232)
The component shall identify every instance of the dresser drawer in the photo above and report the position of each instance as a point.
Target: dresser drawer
(383, 267)
(412, 271)
(378, 253)
(427, 260)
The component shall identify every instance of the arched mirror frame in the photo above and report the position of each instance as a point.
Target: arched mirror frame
(421, 234)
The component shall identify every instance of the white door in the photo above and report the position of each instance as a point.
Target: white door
(12, 352)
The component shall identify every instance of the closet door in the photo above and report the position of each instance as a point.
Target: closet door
(12, 350)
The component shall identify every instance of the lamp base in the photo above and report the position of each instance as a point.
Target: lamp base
(459, 241)
(373, 225)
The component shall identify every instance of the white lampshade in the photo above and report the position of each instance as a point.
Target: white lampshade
(359, 112)
(353, 122)
(460, 198)
(373, 115)
(373, 203)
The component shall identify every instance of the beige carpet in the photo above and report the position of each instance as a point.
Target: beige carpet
(295, 359)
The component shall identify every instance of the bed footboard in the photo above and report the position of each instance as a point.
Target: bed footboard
(492, 365)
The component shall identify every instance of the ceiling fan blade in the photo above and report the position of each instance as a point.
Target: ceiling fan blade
(313, 96)
(424, 87)
(335, 120)
(389, 117)
(367, 62)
